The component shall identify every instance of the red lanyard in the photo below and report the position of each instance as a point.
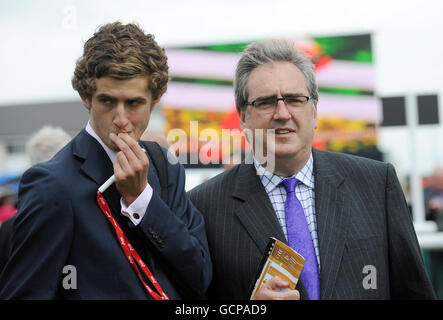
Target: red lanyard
(130, 252)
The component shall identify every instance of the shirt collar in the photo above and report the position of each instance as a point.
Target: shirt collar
(111, 154)
(270, 181)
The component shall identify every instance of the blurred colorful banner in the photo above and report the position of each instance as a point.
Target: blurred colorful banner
(201, 90)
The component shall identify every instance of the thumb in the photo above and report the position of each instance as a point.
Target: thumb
(277, 283)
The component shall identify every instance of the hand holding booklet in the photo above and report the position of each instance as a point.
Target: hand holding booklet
(279, 260)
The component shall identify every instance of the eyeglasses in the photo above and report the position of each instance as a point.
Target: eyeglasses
(267, 104)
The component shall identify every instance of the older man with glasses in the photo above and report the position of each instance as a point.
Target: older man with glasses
(346, 215)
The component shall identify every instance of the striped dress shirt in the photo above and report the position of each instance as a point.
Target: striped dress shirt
(304, 192)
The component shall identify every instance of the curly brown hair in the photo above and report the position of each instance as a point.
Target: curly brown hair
(121, 52)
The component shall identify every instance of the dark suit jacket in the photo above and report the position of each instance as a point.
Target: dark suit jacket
(5, 241)
(59, 223)
(362, 219)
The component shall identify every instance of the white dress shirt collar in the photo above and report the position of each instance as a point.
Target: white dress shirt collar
(271, 181)
(111, 154)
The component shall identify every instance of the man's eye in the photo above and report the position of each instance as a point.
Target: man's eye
(294, 100)
(264, 102)
(106, 101)
(133, 103)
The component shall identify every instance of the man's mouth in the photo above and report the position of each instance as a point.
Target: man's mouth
(123, 131)
(284, 130)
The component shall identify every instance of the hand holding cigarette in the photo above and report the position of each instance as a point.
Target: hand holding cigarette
(130, 169)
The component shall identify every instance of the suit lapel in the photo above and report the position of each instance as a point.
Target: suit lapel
(254, 206)
(96, 166)
(332, 215)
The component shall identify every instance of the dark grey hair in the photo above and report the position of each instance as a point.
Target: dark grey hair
(271, 50)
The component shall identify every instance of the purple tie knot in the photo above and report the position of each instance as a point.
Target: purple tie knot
(290, 184)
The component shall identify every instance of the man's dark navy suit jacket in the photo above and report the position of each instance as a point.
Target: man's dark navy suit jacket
(59, 224)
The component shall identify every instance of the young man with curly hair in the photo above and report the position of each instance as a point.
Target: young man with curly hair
(128, 242)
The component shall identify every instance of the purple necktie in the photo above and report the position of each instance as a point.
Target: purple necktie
(299, 239)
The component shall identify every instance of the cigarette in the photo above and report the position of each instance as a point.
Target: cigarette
(110, 181)
(106, 184)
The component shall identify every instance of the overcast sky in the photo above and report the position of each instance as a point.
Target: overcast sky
(40, 40)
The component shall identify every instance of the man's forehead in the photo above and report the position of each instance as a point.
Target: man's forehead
(275, 77)
(112, 86)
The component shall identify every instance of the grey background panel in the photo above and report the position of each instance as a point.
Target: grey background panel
(17, 122)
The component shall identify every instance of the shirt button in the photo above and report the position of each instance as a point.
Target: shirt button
(136, 216)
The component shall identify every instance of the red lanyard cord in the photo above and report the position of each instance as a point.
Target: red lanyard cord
(130, 252)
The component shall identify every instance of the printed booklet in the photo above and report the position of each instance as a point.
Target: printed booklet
(279, 260)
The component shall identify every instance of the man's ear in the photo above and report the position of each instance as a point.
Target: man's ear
(315, 117)
(86, 102)
(154, 104)
(242, 116)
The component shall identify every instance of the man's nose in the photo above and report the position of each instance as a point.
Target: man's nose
(120, 119)
(281, 111)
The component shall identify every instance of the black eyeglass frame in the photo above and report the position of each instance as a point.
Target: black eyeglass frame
(278, 99)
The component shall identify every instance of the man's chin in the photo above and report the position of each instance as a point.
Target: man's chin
(111, 145)
(286, 153)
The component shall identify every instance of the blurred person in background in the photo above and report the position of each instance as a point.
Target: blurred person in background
(67, 242)
(7, 204)
(7, 214)
(45, 143)
(342, 213)
(41, 146)
(433, 197)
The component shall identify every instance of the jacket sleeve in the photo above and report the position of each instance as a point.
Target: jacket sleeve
(177, 232)
(408, 277)
(41, 240)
